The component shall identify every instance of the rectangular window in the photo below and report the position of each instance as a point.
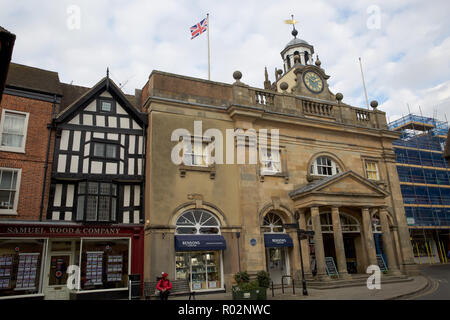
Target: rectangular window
(270, 162)
(13, 130)
(106, 106)
(96, 202)
(197, 154)
(372, 170)
(105, 150)
(9, 190)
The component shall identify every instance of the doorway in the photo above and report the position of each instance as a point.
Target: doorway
(277, 264)
(56, 279)
(350, 253)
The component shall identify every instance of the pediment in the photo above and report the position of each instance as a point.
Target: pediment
(346, 183)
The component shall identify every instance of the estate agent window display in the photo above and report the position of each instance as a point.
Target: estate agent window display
(21, 265)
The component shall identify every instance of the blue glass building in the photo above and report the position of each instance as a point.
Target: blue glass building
(424, 177)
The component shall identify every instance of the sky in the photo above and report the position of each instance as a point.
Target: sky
(404, 45)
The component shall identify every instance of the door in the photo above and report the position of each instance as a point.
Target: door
(56, 278)
(276, 264)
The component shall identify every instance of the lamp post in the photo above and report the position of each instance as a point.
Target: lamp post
(301, 234)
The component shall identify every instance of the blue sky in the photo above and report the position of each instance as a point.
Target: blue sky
(406, 60)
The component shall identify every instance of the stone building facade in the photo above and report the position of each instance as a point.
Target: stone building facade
(333, 171)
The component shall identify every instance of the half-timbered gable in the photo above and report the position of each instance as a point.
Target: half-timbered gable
(99, 155)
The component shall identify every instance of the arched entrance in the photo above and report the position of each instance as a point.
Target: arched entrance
(277, 243)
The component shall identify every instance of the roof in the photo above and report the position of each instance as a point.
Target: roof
(89, 94)
(71, 93)
(296, 41)
(26, 77)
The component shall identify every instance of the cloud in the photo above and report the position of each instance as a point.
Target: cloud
(406, 61)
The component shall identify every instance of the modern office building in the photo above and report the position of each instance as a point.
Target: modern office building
(424, 177)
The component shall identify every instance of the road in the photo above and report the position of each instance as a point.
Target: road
(440, 274)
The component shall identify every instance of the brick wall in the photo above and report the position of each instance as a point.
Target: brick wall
(33, 161)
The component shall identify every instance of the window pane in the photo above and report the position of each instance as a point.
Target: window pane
(113, 209)
(114, 190)
(111, 150)
(104, 188)
(185, 230)
(82, 187)
(13, 129)
(92, 188)
(6, 180)
(209, 230)
(91, 208)
(99, 149)
(103, 208)
(106, 106)
(7, 199)
(80, 207)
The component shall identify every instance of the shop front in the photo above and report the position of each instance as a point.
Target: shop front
(198, 258)
(277, 257)
(71, 261)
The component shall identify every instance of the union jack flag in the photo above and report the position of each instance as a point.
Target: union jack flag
(199, 28)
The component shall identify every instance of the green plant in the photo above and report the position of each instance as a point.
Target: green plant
(263, 278)
(241, 277)
(249, 286)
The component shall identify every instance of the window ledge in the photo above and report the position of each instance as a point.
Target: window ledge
(284, 175)
(211, 169)
(12, 149)
(5, 212)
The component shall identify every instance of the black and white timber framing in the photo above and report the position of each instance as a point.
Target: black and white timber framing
(98, 161)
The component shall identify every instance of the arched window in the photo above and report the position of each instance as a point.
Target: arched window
(197, 222)
(324, 166)
(272, 223)
(348, 223)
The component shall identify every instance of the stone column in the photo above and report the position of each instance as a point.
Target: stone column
(318, 244)
(368, 237)
(305, 246)
(388, 242)
(339, 243)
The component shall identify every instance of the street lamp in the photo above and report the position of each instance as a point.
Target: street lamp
(301, 235)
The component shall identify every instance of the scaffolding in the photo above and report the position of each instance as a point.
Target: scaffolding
(425, 181)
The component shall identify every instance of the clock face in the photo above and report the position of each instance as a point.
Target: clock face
(313, 81)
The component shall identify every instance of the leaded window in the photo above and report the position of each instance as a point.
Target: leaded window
(197, 222)
(97, 201)
(324, 166)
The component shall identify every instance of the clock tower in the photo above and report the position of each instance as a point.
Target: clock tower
(303, 76)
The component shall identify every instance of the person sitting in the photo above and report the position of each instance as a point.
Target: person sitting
(164, 286)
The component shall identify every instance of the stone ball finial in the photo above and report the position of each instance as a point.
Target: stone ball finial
(294, 33)
(280, 72)
(237, 75)
(374, 104)
(339, 96)
(284, 86)
(318, 62)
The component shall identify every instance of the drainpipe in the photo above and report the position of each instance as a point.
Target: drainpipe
(50, 128)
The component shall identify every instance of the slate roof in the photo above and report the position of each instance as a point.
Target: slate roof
(35, 79)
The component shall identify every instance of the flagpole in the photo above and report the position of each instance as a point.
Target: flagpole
(209, 59)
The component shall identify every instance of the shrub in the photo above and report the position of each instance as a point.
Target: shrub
(263, 278)
(249, 286)
(241, 277)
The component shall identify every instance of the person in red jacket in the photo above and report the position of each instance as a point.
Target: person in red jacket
(164, 286)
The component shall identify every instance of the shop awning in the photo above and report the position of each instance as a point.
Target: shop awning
(200, 242)
(275, 240)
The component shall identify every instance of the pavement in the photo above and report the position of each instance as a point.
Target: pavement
(388, 291)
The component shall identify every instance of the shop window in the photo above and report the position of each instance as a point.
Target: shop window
(20, 266)
(372, 170)
(324, 166)
(197, 222)
(104, 264)
(9, 190)
(201, 268)
(97, 201)
(13, 130)
(270, 162)
(272, 223)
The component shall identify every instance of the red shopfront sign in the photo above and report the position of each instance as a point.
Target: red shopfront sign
(51, 231)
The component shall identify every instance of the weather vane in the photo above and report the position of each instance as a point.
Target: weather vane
(293, 22)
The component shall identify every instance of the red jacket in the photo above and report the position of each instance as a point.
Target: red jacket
(164, 284)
